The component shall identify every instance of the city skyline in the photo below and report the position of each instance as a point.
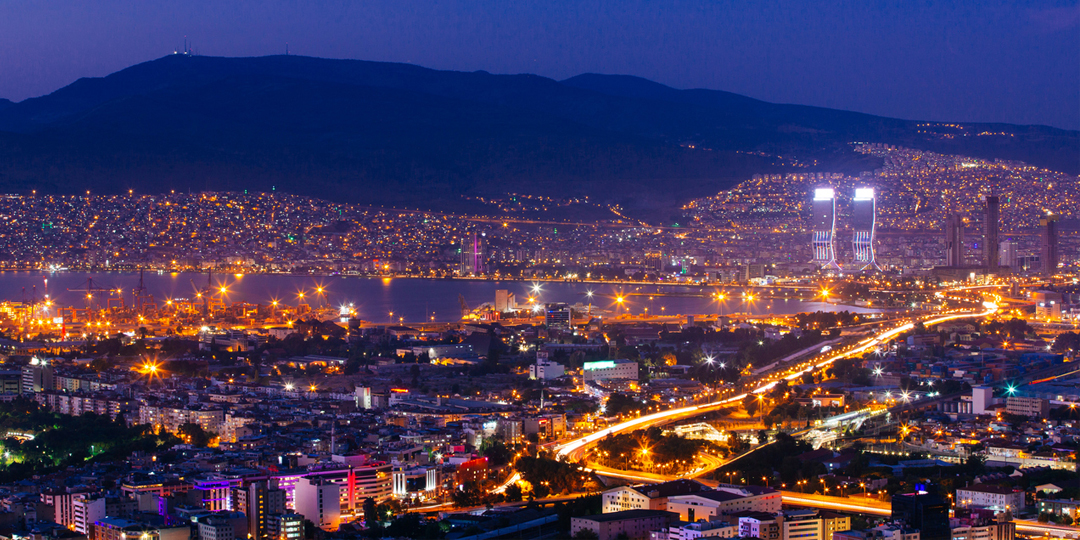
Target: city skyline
(310, 271)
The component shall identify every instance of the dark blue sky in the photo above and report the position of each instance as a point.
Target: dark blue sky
(983, 60)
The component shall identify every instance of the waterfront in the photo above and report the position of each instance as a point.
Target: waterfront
(413, 299)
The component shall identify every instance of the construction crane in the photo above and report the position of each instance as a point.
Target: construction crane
(464, 306)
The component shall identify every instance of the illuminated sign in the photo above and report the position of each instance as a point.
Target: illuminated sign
(864, 194)
(824, 194)
(602, 364)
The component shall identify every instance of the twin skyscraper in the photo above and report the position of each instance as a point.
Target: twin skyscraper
(863, 214)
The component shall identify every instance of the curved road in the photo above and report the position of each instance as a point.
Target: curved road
(574, 449)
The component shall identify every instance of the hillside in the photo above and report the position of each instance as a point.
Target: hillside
(385, 133)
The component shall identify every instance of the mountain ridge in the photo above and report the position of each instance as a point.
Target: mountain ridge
(391, 133)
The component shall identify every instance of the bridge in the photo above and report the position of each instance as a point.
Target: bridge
(699, 431)
(834, 427)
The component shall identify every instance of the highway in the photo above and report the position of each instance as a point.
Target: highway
(574, 449)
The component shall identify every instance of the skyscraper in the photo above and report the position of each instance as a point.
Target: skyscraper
(259, 501)
(1049, 244)
(472, 254)
(864, 215)
(559, 317)
(824, 223)
(954, 241)
(990, 233)
(1007, 255)
(924, 511)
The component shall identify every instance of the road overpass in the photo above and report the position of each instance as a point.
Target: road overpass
(575, 448)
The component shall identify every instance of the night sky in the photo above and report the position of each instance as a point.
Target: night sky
(980, 61)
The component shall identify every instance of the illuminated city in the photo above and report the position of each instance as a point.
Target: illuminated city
(301, 298)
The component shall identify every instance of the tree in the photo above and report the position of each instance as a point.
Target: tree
(513, 493)
(370, 515)
(586, 534)
(194, 434)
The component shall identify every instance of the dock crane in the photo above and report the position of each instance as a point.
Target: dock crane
(464, 306)
(89, 290)
(205, 293)
(137, 295)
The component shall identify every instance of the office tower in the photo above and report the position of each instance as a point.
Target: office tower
(559, 317)
(864, 215)
(954, 241)
(285, 527)
(319, 501)
(1049, 244)
(990, 232)
(924, 511)
(824, 223)
(1007, 255)
(472, 254)
(258, 501)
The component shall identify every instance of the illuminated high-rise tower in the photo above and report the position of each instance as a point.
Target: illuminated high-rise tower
(864, 216)
(824, 223)
(991, 246)
(472, 255)
(1049, 255)
(954, 241)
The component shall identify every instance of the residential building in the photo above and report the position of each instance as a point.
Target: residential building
(763, 525)
(601, 370)
(222, 526)
(1059, 507)
(709, 505)
(319, 501)
(681, 530)
(1027, 406)
(546, 369)
(646, 497)
(285, 526)
(993, 497)
(86, 510)
(634, 524)
(993, 531)
(258, 501)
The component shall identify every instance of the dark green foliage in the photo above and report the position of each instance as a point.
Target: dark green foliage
(61, 440)
(194, 434)
(649, 449)
(623, 404)
(1069, 341)
(549, 476)
(496, 451)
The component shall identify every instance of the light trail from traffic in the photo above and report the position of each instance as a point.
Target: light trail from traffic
(573, 448)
